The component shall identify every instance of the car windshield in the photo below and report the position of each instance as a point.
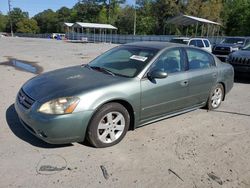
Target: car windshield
(127, 61)
(246, 47)
(233, 41)
(179, 41)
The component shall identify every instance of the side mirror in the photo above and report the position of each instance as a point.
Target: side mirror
(159, 74)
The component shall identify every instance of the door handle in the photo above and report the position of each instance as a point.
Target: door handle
(184, 83)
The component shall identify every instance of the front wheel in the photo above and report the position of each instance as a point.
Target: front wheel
(109, 125)
(215, 97)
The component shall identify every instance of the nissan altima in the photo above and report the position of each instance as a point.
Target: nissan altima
(124, 88)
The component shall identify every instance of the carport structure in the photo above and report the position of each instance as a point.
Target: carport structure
(98, 31)
(68, 27)
(185, 20)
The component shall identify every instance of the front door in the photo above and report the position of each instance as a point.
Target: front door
(162, 96)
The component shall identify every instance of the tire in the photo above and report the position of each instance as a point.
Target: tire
(108, 125)
(216, 96)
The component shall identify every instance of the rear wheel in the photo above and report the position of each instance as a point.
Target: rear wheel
(216, 97)
(109, 125)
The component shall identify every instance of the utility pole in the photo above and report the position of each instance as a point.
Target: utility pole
(10, 17)
(135, 19)
(109, 11)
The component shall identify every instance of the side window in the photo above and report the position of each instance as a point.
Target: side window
(200, 44)
(198, 59)
(192, 43)
(247, 42)
(206, 43)
(170, 61)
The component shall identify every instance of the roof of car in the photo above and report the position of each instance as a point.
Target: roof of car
(195, 38)
(155, 44)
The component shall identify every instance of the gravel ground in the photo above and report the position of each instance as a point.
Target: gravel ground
(197, 149)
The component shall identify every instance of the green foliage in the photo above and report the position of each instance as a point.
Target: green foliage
(102, 17)
(16, 15)
(125, 20)
(237, 17)
(3, 22)
(151, 16)
(27, 26)
(48, 21)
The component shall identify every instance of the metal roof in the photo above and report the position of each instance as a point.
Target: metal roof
(189, 20)
(94, 25)
(68, 24)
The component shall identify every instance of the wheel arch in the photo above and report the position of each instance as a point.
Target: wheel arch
(224, 88)
(126, 105)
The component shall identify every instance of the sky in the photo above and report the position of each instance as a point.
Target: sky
(36, 6)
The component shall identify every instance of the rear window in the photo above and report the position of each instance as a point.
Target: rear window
(179, 41)
(197, 43)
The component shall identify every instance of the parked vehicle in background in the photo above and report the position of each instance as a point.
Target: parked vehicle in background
(127, 87)
(3, 34)
(240, 60)
(229, 45)
(58, 36)
(198, 42)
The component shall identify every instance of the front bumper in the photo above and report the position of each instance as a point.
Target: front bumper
(241, 68)
(54, 129)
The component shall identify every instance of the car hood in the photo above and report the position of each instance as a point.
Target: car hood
(229, 45)
(67, 82)
(241, 53)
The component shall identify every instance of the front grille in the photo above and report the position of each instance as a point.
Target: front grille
(222, 50)
(240, 61)
(25, 100)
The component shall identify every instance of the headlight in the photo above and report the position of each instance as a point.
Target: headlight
(65, 105)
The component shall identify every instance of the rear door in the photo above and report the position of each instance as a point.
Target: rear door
(202, 75)
(162, 96)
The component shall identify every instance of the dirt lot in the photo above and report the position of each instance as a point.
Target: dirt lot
(197, 149)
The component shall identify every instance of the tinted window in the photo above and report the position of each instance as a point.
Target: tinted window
(247, 41)
(193, 43)
(233, 41)
(200, 43)
(170, 61)
(180, 41)
(125, 60)
(206, 43)
(197, 43)
(198, 59)
(246, 47)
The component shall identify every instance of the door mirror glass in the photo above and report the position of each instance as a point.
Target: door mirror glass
(159, 74)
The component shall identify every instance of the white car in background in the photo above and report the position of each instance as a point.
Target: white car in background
(198, 42)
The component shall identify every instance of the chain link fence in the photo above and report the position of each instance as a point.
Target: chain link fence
(113, 38)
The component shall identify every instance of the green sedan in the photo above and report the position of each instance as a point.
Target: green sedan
(127, 87)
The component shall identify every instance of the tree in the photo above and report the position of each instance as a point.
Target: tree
(236, 17)
(27, 26)
(16, 15)
(163, 9)
(48, 21)
(87, 11)
(3, 22)
(102, 17)
(125, 20)
(145, 22)
(63, 15)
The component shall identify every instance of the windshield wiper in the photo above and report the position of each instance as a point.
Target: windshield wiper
(102, 69)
